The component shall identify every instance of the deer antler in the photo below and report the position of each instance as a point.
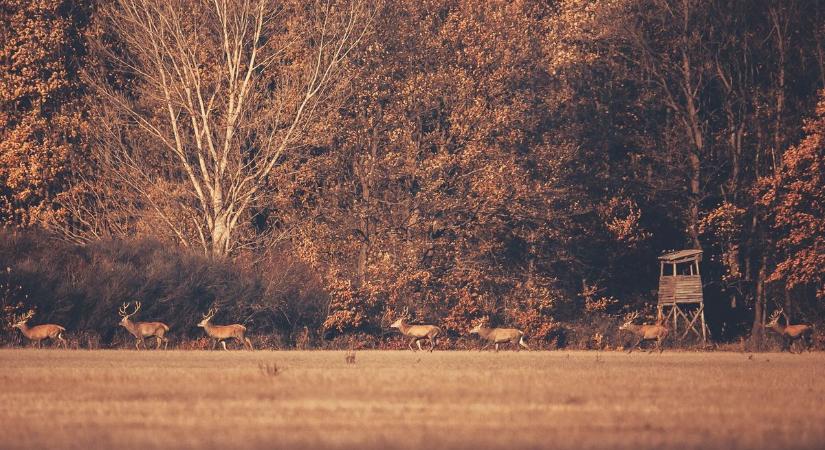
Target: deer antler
(25, 317)
(123, 311)
(211, 313)
(630, 317)
(775, 316)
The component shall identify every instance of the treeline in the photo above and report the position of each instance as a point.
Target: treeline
(519, 161)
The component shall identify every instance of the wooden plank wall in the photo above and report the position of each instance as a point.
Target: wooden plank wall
(680, 289)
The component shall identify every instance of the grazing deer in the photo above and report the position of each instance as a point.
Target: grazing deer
(141, 330)
(223, 332)
(791, 333)
(417, 332)
(39, 332)
(500, 336)
(656, 332)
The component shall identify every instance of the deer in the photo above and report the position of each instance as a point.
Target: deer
(791, 333)
(657, 332)
(223, 332)
(500, 336)
(417, 332)
(39, 332)
(141, 330)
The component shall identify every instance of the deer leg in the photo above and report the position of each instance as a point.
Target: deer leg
(249, 343)
(484, 347)
(636, 344)
(411, 343)
(214, 343)
(418, 342)
(496, 347)
(62, 341)
(159, 340)
(223, 343)
(432, 344)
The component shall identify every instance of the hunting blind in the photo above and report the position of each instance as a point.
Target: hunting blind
(680, 293)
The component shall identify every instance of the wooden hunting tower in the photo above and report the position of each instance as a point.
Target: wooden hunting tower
(680, 293)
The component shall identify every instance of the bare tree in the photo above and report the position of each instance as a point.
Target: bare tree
(674, 65)
(200, 101)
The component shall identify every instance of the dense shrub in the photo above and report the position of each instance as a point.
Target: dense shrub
(81, 288)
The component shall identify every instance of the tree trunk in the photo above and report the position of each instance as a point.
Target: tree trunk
(694, 130)
(758, 327)
(221, 238)
(695, 197)
(362, 253)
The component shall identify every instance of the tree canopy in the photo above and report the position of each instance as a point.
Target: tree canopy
(522, 162)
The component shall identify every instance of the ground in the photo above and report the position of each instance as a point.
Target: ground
(392, 399)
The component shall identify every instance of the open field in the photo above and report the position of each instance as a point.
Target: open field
(176, 399)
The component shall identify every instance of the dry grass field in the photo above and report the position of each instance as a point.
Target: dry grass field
(387, 399)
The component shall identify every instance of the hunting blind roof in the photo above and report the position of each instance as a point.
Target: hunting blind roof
(681, 256)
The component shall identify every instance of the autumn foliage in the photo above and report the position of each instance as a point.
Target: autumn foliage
(795, 201)
(41, 115)
(519, 162)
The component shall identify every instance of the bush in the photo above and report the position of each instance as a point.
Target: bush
(81, 288)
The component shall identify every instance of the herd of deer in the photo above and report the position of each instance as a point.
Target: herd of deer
(140, 330)
(495, 336)
(790, 334)
(658, 332)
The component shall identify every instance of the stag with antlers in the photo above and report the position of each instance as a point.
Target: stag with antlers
(37, 333)
(657, 332)
(141, 330)
(223, 332)
(791, 333)
(416, 332)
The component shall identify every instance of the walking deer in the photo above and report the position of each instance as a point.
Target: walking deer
(656, 332)
(417, 332)
(223, 332)
(141, 330)
(39, 332)
(791, 333)
(500, 336)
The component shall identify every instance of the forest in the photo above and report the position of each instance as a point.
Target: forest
(317, 168)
